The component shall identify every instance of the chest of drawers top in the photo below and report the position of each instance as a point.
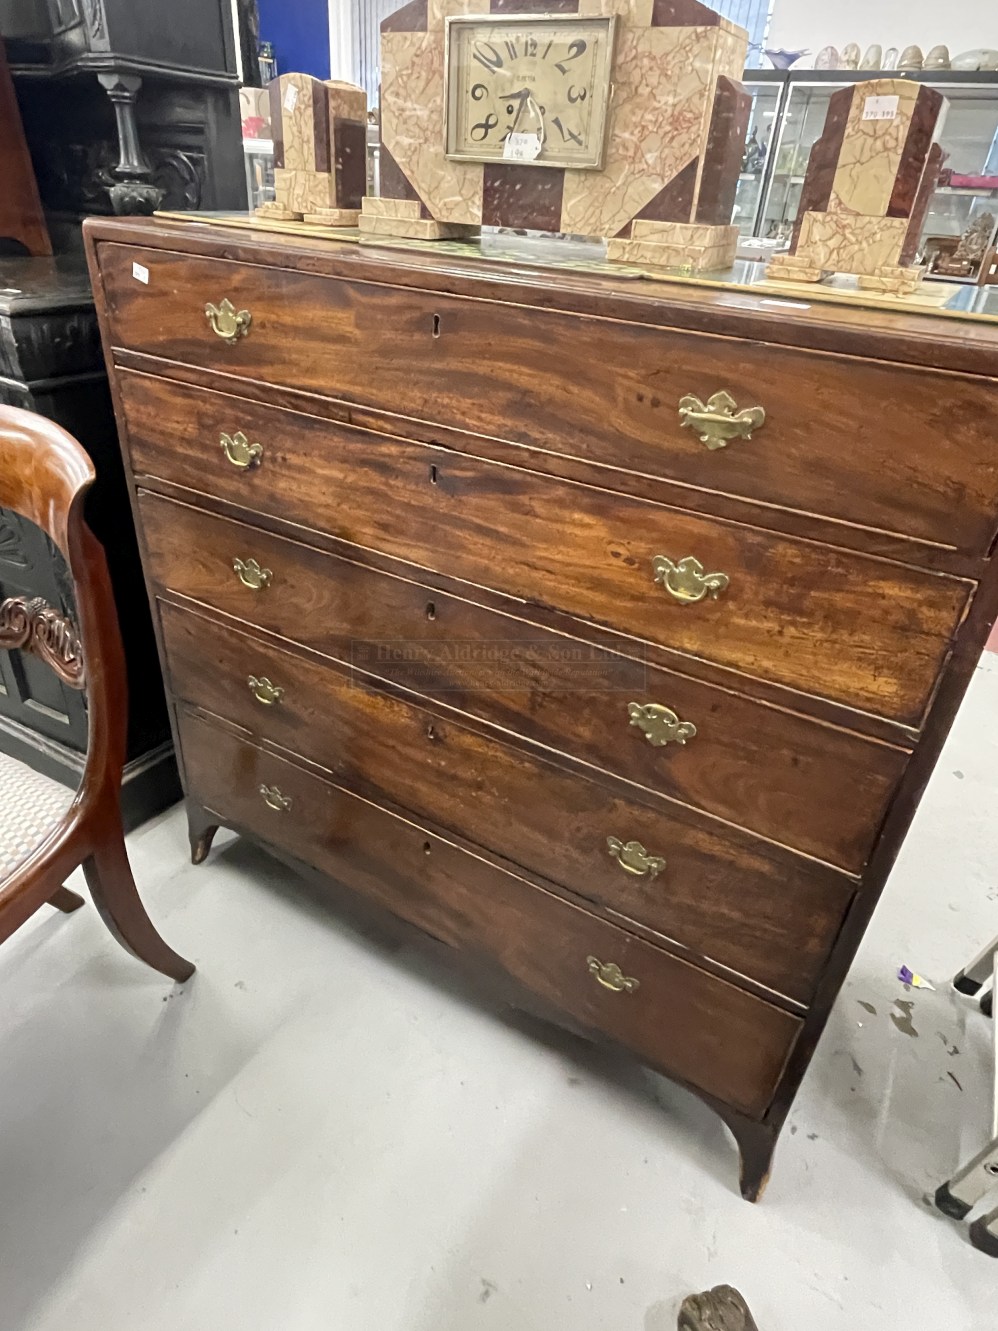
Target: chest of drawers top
(874, 428)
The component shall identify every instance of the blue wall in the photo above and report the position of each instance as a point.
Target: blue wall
(299, 33)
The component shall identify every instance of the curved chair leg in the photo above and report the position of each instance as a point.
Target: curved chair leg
(66, 901)
(109, 877)
(200, 832)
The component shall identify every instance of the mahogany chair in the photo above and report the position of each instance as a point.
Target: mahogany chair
(44, 476)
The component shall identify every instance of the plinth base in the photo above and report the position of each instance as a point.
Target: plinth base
(692, 246)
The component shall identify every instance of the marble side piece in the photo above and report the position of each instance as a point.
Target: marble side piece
(893, 280)
(870, 156)
(674, 245)
(333, 217)
(408, 208)
(823, 161)
(847, 243)
(304, 191)
(299, 123)
(425, 229)
(792, 268)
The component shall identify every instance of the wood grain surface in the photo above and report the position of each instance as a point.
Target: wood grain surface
(717, 1037)
(889, 448)
(824, 789)
(744, 903)
(862, 631)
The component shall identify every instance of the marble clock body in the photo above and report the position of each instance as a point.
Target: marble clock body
(658, 132)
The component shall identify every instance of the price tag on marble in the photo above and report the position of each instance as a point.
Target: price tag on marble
(881, 108)
(291, 98)
(522, 147)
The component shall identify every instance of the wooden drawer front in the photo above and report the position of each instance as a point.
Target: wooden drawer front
(813, 787)
(749, 905)
(862, 631)
(691, 1024)
(883, 446)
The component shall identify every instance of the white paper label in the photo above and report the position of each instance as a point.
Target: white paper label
(880, 108)
(522, 147)
(291, 98)
(140, 273)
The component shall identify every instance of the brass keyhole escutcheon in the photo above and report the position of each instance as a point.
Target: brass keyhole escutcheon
(687, 581)
(634, 859)
(239, 451)
(251, 575)
(718, 420)
(264, 691)
(227, 322)
(659, 724)
(610, 976)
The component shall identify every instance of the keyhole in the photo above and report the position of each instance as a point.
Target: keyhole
(431, 610)
(426, 848)
(436, 325)
(431, 732)
(433, 473)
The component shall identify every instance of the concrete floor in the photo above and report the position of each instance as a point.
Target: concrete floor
(322, 1131)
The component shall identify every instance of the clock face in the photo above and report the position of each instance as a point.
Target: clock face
(528, 89)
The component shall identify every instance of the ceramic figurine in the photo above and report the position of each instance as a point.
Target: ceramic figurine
(980, 58)
(874, 57)
(868, 186)
(938, 58)
(891, 57)
(911, 58)
(828, 58)
(966, 259)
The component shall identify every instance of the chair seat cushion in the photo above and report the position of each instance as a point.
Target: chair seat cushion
(31, 806)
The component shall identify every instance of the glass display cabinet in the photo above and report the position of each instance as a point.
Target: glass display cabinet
(767, 98)
(969, 190)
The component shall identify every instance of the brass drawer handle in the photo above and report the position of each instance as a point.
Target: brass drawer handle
(252, 575)
(686, 580)
(610, 976)
(273, 799)
(634, 859)
(719, 419)
(227, 322)
(263, 691)
(660, 725)
(239, 451)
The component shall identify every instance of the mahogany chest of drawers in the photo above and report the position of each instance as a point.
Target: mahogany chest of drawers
(470, 598)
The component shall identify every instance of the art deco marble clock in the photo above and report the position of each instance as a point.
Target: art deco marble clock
(621, 119)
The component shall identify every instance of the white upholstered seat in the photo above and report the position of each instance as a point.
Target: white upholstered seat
(31, 805)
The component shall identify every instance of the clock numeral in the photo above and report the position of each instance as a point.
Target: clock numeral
(547, 48)
(486, 127)
(577, 48)
(511, 48)
(487, 56)
(479, 91)
(567, 135)
(577, 96)
(530, 46)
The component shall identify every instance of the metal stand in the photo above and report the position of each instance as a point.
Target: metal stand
(959, 1196)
